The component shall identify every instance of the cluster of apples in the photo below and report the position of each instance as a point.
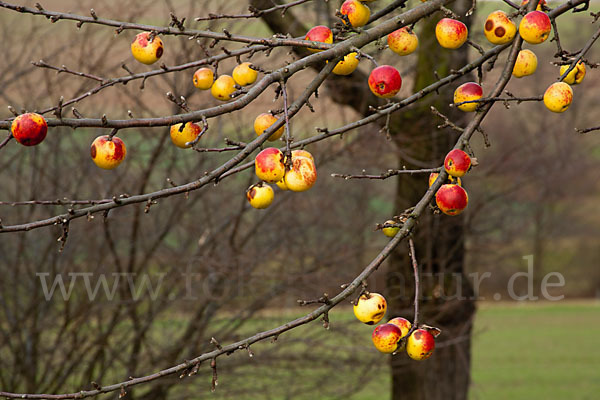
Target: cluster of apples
(391, 337)
(270, 167)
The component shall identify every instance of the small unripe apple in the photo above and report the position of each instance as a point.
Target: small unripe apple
(385, 81)
(535, 27)
(498, 29)
(243, 75)
(526, 64)
(467, 92)
(269, 165)
(203, 78)
(451, 33)
(29, 129)
(108, 154)
(539, 6)
(370, 308)
(386, 338)
(457, 163)
(451, 179)
(558, 97)
(302, 174)
(403, 41)
(180, 137)
(321, 34)
(260, 195)
(146, 51)
(575, 76)
(347, 65)
(390, 231)
(223, 88)
(263, 122)
(420, 345)
(451, 199)
(358, 14)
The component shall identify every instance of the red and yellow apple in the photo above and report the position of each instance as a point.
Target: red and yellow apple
(264, 122)
(401, 323)
(391, 229)
(535, 27)
(320, 34)
(576, 75)
(457, 163)
(539, 6)
(385, 81)
(420, 345)
(370, 308)
(29, 129)
(302, 174)
(451, 33)
(180, 136)
(347, 65)
(558, 97)
(145, 50)
(403, 41)
(223, 88)
(386, 338)
(451, 199)
(260, 195)
(269, 165)
(526, 64)
(243, 75)
(467, 92)
(203, 78)
(108, 153)
(358, 14)
(498, 29)
(433, 176)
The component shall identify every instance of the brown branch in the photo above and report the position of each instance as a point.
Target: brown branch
(389, 173)
(254, 12)
(415, 266)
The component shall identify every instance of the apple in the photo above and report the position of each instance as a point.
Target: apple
(451, 179)
(320, 34)
(535, 27)
(29, 129)
(385, 81)
(302, 174)
(390, 231)
(347, 65)
(539, 6)
(358, 14)
(401, 323)
(260, 195)
(526, 64)
(180, 137)
(467, 92)
(146, 51)
(558, 97)
(370, 308)
(302, 153)
(203, 78)
(451, 33)
(223, 88)
(403, 41)
(498, 29)
(451, 199)
(263, 122)
(457, 163)
(386, 338)
(281, 184)
(108, 153)
(420, 345)
(576, 75)
(269, 166)
(243, 75)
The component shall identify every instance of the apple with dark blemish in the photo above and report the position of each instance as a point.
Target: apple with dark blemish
(108, 153)
(181, 136)
(457, 163)
(451, 199)
(535, 27)
(269, 165)
(358, 14)
(147, 49)
(260, 195)
(386, 338)
(320, 34)
(385, 81)
(451, 33)
(302, 174)
(468, 92)
(370, 308)
(498, 29)
(420, 345)
(29, 129)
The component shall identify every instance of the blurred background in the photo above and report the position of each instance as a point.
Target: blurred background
(143, 291)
